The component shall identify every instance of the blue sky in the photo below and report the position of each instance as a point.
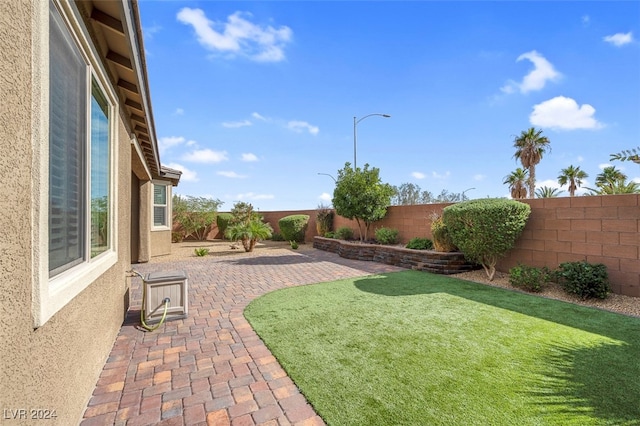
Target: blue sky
(253, 99)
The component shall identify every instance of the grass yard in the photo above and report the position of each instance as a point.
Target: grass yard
(412, 348)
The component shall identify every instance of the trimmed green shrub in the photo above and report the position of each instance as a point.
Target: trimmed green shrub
(294, 227)
(418, 243)
(387, 236)
(294, 244)
(324, 220)
(344, 233)
(484, 230)
(528, 278)
(222, 222)
(330, 234)
(584, 279)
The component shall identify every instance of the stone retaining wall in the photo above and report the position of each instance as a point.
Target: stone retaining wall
(420, 260)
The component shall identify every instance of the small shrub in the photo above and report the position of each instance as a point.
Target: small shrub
(387, 236)
(330, 234)
(222, 222)
(177, 236)
(324, 220)
(294, 244)
(344, 233)
(276, 236)
(586, 280)
(441, 238)
(418, 243)
(294, 227)
(200, 252)
(528, 278)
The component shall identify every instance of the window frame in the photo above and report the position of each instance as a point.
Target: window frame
(168, 206)
(51, 294)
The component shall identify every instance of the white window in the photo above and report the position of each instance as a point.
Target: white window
(80, 193)
(161, 206)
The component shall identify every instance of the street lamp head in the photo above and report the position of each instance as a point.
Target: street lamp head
(386, 115)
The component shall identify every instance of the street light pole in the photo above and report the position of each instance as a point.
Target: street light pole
(355, 134)
(327, 174)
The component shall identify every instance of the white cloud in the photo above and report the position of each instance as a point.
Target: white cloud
(254, 196)
(232, 175)
(205, 156)
(586, 20)
(168, 142)
(605, 165)
(238, 36)
(636, 179)
(179, 111)
(187, 175)
(542, 72)
(249, 157)
(325, 197)
(564, 113)
(580, 159)
(436, 175)
(418, 175)
(479, 177)
(619, 39)
(258, 116)
(300, 126)
(236, 124)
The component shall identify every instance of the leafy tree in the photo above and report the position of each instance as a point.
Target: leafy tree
(530, 148)
(517, 182)
(547, 192)
(195, 214)
(628, 155)
(243, 213)
(573, 176)
(360, 194)
(410, 194)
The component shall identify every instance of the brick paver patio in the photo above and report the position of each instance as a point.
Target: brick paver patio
(211, 368)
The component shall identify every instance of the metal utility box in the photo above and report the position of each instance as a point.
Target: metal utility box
(161, 285)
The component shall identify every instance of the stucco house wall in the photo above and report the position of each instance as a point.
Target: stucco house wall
(52, 360)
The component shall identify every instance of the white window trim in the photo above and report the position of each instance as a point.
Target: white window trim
(167, 186)
(50, 295)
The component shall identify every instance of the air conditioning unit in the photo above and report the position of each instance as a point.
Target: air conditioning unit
(160, 286)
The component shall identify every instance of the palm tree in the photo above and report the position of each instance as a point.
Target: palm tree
(249, 233)
(547, 192)
(517, 183)
(632, 154)
(617, 187)
(573, 176)
(609, 176)
(530, 148)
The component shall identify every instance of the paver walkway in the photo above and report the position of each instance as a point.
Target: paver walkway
(211, 368)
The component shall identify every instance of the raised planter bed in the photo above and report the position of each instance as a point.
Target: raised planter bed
(421, 260)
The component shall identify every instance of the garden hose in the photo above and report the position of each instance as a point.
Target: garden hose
(165, 301)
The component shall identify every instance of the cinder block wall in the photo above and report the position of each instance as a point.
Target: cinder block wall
(598, 229)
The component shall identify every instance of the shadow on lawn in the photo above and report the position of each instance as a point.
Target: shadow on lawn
(603, 380)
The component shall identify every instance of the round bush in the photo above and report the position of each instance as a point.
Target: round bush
(344, 233)
(484, 230)
(387, 236)
(294, 227)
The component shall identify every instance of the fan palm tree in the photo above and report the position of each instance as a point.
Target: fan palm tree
(517, 183)
(573, 176)
(609, 176)
(547, 192)
(632, 154)
(530, 148)
(617, 187)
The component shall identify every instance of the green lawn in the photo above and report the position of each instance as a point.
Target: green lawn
(412, 348)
